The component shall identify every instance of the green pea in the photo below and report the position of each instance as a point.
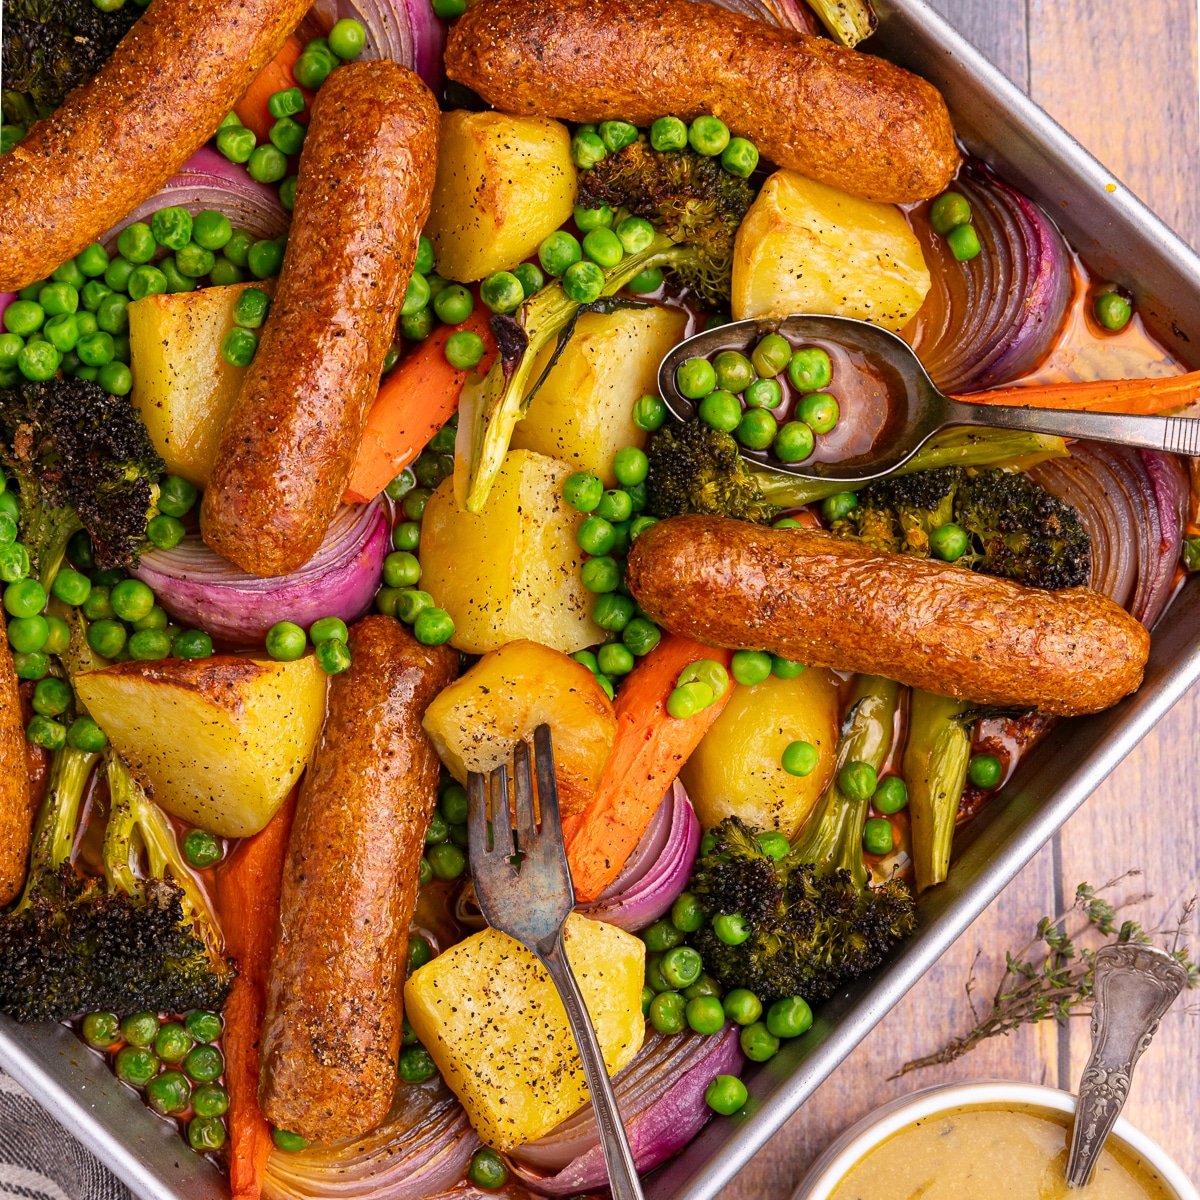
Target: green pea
(24, 317)
(101, 1030)
(687, 913)
(411, 602)
(24, 598)
(453, 304)
(616, 135)
(695, 378)
(14, 562)
(857, 780)
(31, 666)
(615, 506)
(763, 394)
(688, 699)
(587, 149)
(639, 525)
(433, 627)
(112, 315)
(681, 966)
(751, 666)
(447, 861)
(11, 345)
(731, 928)
(734, 371)
(640, 636)
(668, 1012)
(172, 1042)
(596, 536)
(819, 410)
(1112, 310)
(140, 1029)
(721, 410)
(773, 844)
(588, 219)
(62, 332)
(464, 350)
(289, 1143)
(28, 635)
(757, 429)
(210, 1100)
(204, 1064)
(51, 697)
(838, 506)
(949, 542)
(424, 872)
(603, 247)
(742, 1006)
(487, 1170)
(192, 643)
(649, 413)
(964, 243)
(171, 227)
(758, 1043)
(615, 658)
(891, 795)
(794, 442)
(985, 771)
(645, 282)
(704, 1014)
(264, 258)
(92, 261)
(502, 292)
(454, 804)
(135, 1065)
(39, 361)
(531, 278)
(708, 136)
(146, 281)
(206, 1133)
(635, 234)
(249, 311)
(177, 282)
(131, 599)
(668, 133)
(237, 249)
(169, 1093)
(800, 758)
(136, 242)
(416, 1065)
(949, 211)
(601, 574)
(332, 657)
(117, 273)
(740, 157)
(202, 849)
(91, 296)
(877, 836)
(401, 569)
(84, 734)
(558, 252)
(46, 733)
(810, 369)
(58, 636)
(204, 1026)
(726, 1095)
(286, 641)
(235, 143)
(789, 1017)
(583, 282)
(239, 346)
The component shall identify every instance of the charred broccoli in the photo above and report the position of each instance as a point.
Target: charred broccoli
(82, 459)
(815, 921)
(1014, 527)
(690, 197)
(134, 940)
(52, 46)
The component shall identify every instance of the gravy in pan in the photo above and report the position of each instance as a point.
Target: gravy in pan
(993, 1152)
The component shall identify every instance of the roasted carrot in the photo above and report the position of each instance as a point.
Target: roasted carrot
(15, 816)
(276, 76)
(413, 403)
(248, 898)
(1144, 396)
(648, 751)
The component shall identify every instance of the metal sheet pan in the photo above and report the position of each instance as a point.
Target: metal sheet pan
(1121, 240)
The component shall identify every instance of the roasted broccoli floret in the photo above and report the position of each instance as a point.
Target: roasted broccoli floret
(52, 46)
(1015, 528)
(696, 469)
(140, 938)
(82, 459)
(688, 196)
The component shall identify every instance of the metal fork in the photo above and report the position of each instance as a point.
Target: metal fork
(525, 891)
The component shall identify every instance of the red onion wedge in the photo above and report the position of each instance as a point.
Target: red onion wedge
(201, 589)
(1133, 504)
(208, 180)
(661, 1098)
(790, 14)
(405, 31)
(657, 870)
(993, 318)
(422, 1149)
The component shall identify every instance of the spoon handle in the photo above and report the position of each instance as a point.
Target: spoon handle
(1135, 985)
(1178, 435)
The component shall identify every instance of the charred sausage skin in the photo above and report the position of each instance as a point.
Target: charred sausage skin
(117, 139)
(15, 817)
(847, 119)
(814, 598)
(332, 1028)
(365, 185)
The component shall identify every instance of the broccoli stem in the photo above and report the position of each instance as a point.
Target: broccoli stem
(490, 408)
(953, 447)
(832, 838)
(935, 769)
(57, 819)
(45, 532)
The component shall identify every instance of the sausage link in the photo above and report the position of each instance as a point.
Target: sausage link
(845, 118)
(332, 1028)
(815, 598)
(117, 139)
(15, 816)
(365, 184)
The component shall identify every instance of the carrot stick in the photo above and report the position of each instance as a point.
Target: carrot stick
(1144, 396)
(248, 898)
(649, 749)
(276, 76)
(413, 403)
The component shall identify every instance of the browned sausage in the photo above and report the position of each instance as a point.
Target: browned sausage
(332, 1029)
(817, 599)
(15, 817)
(845, 118)
(117, 139)
(365, 184)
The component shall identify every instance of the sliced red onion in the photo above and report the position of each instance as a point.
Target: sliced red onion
(790, 14)
(1133, 504)
(208, 180)
(6, 298)
(661, 1098)
(993, 318)
(657, 870)
(201, 589)
(421, 1150)
(405, 31)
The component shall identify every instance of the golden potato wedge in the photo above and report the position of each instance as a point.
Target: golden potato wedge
(476, 721)
(583, 412)
(489, 1015)
(805, 247)
(217, 742)
(182, 385)
(503, 184)
(511, 571)
(736, 770)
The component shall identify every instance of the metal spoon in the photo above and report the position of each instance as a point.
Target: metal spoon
(1135, 985)
(919, 410)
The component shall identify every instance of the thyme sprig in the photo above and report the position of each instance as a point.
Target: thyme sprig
(1052, 977)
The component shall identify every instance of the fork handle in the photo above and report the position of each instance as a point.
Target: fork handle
(622, 1171)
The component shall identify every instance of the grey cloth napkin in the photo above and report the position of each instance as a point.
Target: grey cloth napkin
(39, 1160)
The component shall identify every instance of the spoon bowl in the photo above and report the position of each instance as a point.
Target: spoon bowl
(917, 409)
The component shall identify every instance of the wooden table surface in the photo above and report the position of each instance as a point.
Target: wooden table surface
(1122, 77)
